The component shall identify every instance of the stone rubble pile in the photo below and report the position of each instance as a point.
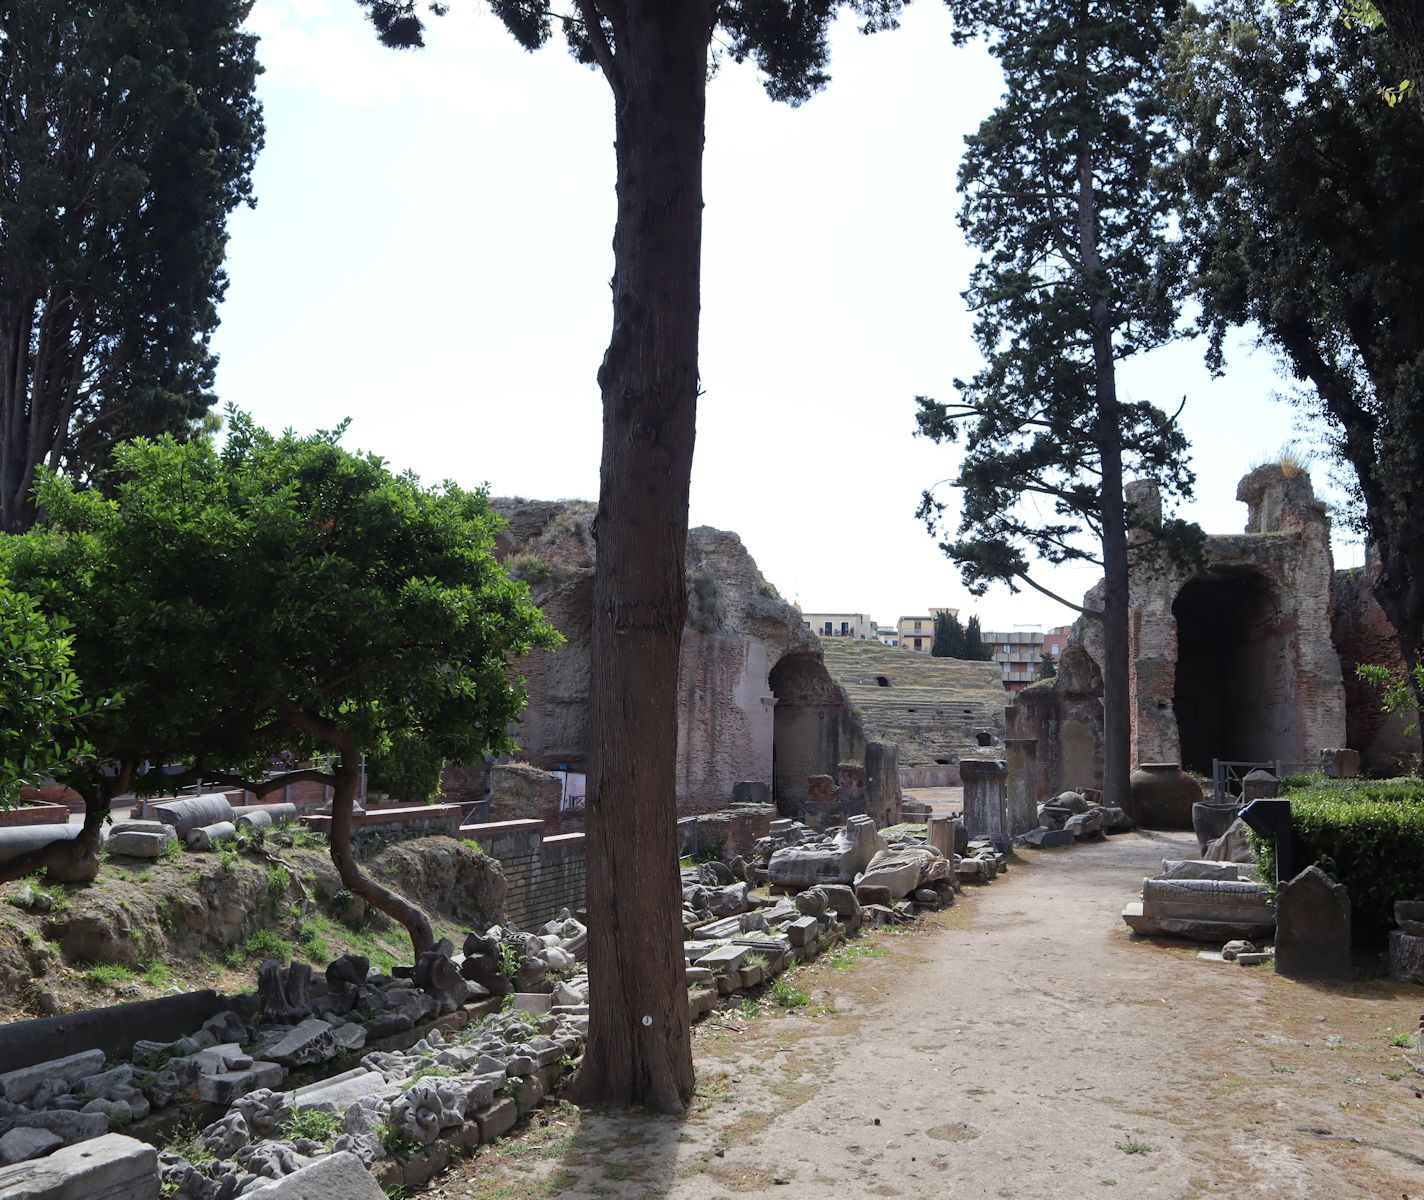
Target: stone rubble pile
(297, 1022)
(1075, 817)
(463, 1088)
(198, 822)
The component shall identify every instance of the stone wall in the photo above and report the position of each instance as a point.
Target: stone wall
(1235, 661)
(1064, 716)
(1363, 634)
(542, 874)
(755, 703)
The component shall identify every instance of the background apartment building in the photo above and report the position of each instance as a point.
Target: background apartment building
(851, 625)
(917, 633)
(1019, 653)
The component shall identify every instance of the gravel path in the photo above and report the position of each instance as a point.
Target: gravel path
(1020, 1044)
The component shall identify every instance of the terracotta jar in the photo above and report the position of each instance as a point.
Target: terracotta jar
(1162, 795)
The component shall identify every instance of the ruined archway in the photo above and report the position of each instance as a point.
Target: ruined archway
(1232, 695)
(811, 729)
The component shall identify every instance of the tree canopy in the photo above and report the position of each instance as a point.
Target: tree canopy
(127, 134)
(1058, 196)
(1302, 213)
(276, 598)
(948, 636)
(41, 703)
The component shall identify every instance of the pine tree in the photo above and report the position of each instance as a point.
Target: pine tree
(948, 637)
(655, 55)
(975, 648)
(1047, 669)
(128, 133)
(1057, 194)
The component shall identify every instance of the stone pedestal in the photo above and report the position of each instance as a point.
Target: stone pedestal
(985, 799)
(1339, 763)
(1313, 927)
(1259, 785)
(1021, 754)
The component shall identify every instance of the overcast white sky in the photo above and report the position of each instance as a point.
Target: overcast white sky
(430, 256)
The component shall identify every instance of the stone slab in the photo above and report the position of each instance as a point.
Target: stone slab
(342, 1091)
(132, 843)
(18, 1086)
(111, 1167)
(1198, 929)
(724, 959)
(1199, 868)
(1313, 927)
(306, 1043)
(21, 1145)
(1235, 902)
(498, 1119)
(337, 1177)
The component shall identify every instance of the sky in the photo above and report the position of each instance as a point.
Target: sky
(431, 251)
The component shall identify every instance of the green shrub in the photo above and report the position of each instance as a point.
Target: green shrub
(1369, 835)
(266, 944)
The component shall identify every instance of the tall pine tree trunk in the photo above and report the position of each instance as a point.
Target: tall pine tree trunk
(639, 1047)
(1117, 692)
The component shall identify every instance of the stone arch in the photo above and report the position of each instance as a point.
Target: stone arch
(1233, 695)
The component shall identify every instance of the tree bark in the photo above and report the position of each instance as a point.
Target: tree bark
(1117, 690)
(639, 1046)
(356, 881)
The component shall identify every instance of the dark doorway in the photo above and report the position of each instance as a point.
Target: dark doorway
(1233, 690)
(811, 731)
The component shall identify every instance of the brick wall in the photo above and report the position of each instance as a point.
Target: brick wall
(34, 812)
(542, 874)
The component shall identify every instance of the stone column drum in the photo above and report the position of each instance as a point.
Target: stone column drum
(985, 803)
(1021, 755)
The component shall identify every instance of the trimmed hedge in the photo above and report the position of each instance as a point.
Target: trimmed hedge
(1366, 833)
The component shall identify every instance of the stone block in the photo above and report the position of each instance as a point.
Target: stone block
(724, 959)
(985, 799)
(528, 1091)
(338, 1176)
(309, 1042)
(534, 1003)
(225, 1088)
(133, 843)
(18, 1086)
(21, 1145)
(802, 930)
(110, 1167)
(340, 1092)
(1198, 868)
(1048, 839)
(1406, 956)
(72, 1127)
(498, 1119)
(1409, 916)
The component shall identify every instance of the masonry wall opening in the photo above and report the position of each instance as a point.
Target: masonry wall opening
(811, 731)
(1233, 687)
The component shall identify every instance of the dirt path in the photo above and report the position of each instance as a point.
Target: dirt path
(1018, 1045)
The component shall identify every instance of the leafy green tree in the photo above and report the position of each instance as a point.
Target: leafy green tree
(1047, 668)
(281, 597)
(1057, 194)
(41, 706)
(1301, 202)
(656, 56)
(948, 637)
(127, 134)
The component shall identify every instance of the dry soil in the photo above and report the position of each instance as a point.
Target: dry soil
(1020, 1044)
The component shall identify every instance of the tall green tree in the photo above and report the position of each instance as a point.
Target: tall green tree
(655, 56)
(1301, 201)
(948, 637)
(1057, 195)
(282, 597)
(127, 134)
(1047, 668)
(975, 648)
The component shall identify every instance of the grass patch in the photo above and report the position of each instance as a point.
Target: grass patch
(266, 944)
(109, 975)
(278, 881)
(844, 957)
(1403, 1040)
(51, 895)
(157, 975)
(309, 1123)
(785, 994)
(1133, 1146)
